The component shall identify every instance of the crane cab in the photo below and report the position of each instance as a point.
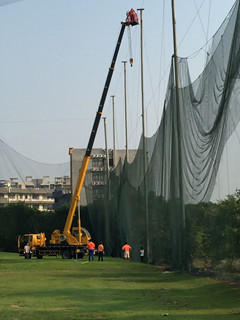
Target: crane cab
(85, 235)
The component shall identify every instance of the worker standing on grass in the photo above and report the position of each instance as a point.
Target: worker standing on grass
(100, 251)
(126, 248)
(91, 247)
(27, 251)
(141, 254)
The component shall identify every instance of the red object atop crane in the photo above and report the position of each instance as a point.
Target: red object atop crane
(132, 18)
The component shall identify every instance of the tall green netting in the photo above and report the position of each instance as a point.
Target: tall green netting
(182, 157)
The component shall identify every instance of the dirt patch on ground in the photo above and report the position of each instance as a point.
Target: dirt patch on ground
(203, 269)
(227, 271)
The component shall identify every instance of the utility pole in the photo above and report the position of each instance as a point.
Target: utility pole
(114, 134)
(179, 130)
(106, 146)
(107, 156)
(125, 98)
(144, 140)
(71, 169)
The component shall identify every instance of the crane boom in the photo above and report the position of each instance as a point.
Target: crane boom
(71, 239)
(83, 169)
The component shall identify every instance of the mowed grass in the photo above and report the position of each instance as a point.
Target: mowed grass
(53, 288)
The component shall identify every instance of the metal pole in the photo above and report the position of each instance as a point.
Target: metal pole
(144, 139)
(175, 49)
(125, 97)
(114, 134)
(8, 189)
(107, 156)
(79, 223)
(176, 69)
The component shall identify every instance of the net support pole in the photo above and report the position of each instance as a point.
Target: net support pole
(144, 142)
(114, 134)
(126, 115)
(179, 134)
(107, 156)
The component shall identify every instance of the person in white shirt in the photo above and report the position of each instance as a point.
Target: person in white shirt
(141, 254)
(27, 251)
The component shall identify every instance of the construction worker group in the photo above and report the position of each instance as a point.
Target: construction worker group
(100, 251)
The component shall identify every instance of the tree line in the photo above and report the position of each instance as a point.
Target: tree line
(212, 229)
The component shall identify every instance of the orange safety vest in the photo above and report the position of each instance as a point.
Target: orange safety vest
(100, 247)
(91, 245)
(126, 248)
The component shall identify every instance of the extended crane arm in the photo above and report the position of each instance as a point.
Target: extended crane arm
(131, 19)
(83, 170)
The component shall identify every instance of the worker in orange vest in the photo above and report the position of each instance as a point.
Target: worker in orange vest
(100, 251)
(91, 247)
(126, 248)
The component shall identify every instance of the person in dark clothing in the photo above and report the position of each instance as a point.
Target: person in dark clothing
(100, 251)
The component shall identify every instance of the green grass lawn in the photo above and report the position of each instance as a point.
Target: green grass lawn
(53, 288)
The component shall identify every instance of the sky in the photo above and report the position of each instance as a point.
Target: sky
(54, 60)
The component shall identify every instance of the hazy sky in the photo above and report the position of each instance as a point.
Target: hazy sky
(54, 59)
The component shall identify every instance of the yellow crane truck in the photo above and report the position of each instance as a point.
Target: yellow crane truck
(57, 246)
(73, 242)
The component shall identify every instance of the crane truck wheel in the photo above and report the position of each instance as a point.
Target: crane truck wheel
(66, 254)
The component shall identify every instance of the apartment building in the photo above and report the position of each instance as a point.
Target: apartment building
(97, 172)
(39, 199)
(37, 193)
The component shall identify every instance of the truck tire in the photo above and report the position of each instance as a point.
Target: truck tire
(66, 254)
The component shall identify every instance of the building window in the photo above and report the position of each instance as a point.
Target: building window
(95, 191)
(97, 162)
(98, 192)
(111, 162)
(45, 186)
(35, 196)
(22, 196)
(12, 196)
(96, 176)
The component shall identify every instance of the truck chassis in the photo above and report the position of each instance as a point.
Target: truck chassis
(66, 251)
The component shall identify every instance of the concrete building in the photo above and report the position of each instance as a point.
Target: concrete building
(37, 193)
(97, 172)
(36, 198)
